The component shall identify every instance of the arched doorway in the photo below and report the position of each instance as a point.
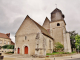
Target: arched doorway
(18, 50)
(26, 50)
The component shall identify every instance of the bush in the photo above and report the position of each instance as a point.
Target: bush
(59, 46)
(65, 53)
(8, 47)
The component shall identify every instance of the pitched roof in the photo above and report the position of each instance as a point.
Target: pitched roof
(46, 23)
(56, 10)
(43, 30)
(12, 43)
(2, 35)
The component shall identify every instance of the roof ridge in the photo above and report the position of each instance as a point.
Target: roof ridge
(46, 19)
(41, 29)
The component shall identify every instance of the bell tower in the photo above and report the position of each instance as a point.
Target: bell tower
(56, 15)
(57, 27)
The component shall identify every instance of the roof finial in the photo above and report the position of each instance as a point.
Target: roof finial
(56, 5)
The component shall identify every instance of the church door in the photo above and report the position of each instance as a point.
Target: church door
(26, 50)
(18, 50)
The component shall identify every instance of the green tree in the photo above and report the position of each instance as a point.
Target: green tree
(77, 38)
(8, 46)
(72, 35)
(59, 46)
(72, 39)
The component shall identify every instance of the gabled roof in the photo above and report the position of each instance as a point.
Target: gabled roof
(43, 30)
(46, 23)
(2, 35)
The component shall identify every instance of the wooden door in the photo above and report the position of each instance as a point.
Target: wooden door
(18, 50)
(26, 50)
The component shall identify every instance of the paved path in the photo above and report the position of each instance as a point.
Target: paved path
(74, 57)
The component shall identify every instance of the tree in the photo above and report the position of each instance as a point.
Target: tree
(72, 39)
(59, 46)
(8, 46)
(72, 35)
(77, 38)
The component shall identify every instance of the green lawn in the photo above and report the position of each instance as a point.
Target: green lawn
(54, 53)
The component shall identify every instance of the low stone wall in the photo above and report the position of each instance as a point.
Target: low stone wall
(6, 50)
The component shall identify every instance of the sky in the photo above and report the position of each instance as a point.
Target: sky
(13, 12)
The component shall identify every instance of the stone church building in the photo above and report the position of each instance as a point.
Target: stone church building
(32, 38)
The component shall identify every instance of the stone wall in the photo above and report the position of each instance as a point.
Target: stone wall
(57, 31)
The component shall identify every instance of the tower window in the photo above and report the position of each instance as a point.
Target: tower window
(25, 37)
(58, 24)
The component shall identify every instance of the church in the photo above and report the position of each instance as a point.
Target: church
(31, 38)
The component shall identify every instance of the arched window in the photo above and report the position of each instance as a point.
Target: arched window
(58, 24)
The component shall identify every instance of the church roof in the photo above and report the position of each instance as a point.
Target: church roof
(2, 35)
(46, 23)
(56, 10)
(43, 30)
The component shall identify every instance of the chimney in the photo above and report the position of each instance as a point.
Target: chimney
(8, 34)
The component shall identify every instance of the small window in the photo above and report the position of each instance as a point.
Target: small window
(58, 24)
(4, 42)
(25, 37)
(0, 41)
(8, 42)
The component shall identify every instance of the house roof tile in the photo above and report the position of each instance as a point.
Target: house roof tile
(2, 35)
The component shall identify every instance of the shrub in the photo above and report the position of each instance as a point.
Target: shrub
(59, 46)
(8, 47)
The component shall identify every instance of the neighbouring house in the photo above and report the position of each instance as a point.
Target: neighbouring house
(31, 38)
(5, 40)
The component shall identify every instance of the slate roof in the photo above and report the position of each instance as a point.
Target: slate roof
(56, 10)
(2, 35)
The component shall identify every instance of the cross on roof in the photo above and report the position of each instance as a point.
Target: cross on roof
(56, 5)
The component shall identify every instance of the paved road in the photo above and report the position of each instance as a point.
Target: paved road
(74, 59)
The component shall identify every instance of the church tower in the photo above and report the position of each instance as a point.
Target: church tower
(57, 15)
(57, 27)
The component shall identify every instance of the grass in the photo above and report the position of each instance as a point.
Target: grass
(56, 53)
